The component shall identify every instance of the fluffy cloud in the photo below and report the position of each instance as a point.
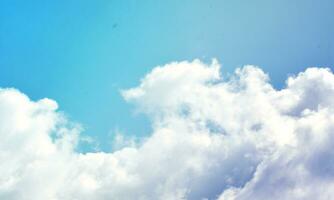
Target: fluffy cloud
(213, 138)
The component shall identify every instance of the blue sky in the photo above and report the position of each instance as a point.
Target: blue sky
(82, 53)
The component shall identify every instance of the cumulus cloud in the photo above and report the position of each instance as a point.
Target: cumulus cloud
(232, 138)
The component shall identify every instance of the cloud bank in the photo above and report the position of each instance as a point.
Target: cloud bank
(234, 138)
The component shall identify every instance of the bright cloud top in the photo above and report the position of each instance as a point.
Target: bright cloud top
(213, 138)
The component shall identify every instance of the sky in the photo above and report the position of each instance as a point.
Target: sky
(166, 100)
(83, 53)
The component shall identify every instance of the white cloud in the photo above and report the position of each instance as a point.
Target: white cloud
(235, 138)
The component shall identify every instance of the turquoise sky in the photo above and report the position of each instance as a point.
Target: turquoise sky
(82, 53)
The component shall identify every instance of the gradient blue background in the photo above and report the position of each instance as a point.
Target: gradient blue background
(81, 53)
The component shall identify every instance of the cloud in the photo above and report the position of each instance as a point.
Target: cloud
(230, 138)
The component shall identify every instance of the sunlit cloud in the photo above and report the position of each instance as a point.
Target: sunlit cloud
(214, 137)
